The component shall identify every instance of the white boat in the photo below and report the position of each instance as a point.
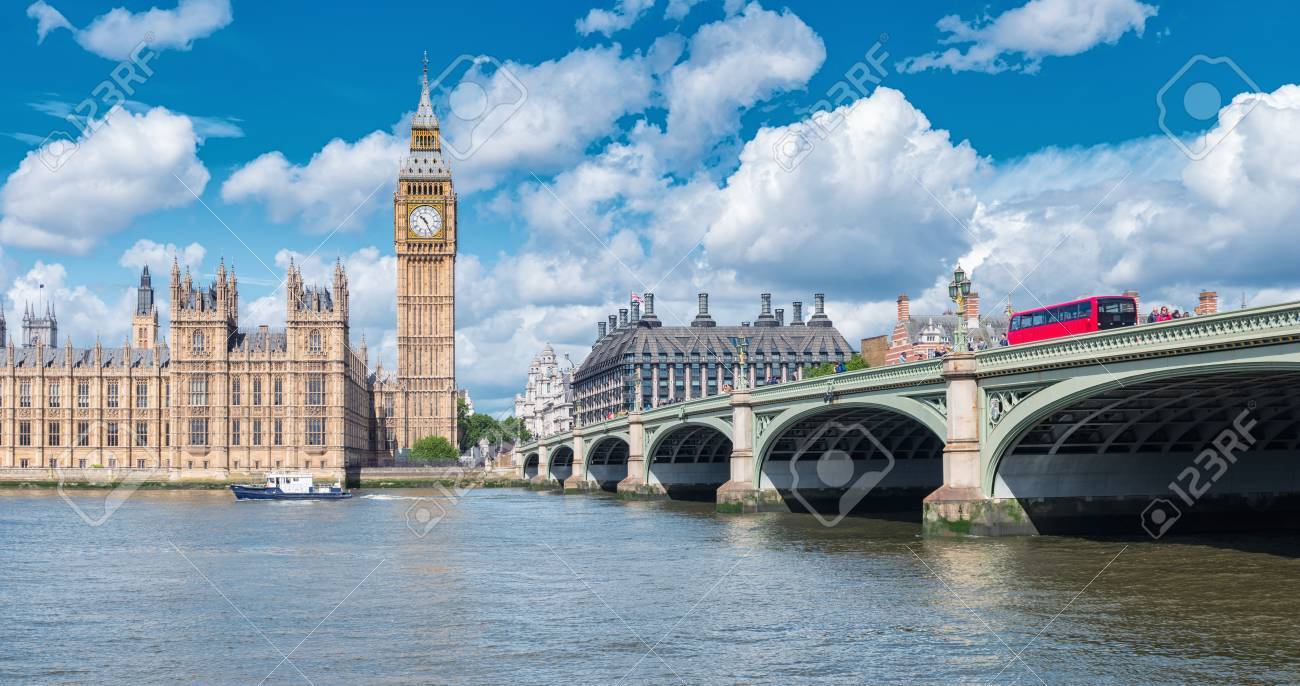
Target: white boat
(290, 486)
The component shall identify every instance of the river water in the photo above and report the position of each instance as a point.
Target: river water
(517, 587)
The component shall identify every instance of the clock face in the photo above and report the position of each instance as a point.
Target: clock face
(425, 221)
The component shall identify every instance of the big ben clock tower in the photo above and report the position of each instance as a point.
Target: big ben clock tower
(424, 236)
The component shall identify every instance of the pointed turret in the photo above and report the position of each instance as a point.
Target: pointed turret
(424, 117)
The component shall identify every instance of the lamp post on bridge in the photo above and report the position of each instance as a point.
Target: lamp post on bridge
(958, 289)
(742, 348)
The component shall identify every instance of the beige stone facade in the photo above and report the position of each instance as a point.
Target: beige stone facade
(221, 399)
(421, 399)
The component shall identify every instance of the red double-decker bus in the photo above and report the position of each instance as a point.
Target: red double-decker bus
(1072, 318)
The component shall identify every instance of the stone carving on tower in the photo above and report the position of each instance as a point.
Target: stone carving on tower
(144, 323)
(40, 329)
(424, 238)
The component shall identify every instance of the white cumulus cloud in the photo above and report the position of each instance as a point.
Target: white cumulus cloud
(159, 256)
(1020, 38)
(337, 188)
(733, 64)
(607, 22)
(68, 198)
(116, 33)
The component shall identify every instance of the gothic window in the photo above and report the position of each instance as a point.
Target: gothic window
(316, 431)
(257, 391)
(313, 342)
(257, 432)
(234, 391)
(277, 397)
(234, 433)
(142, 394)
(54, 435)
(54, 394)
(277, 436)
(112, 394)
(316, 389)
(25, 394)
(111, 439)
(199, 393)
(83, 394)
(196, 341)
(24, 433)
(141, 434)
(198, 432)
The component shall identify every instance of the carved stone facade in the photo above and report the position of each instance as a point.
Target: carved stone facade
(220, 399)
(546, 405)
(226, 399)
(421, 400)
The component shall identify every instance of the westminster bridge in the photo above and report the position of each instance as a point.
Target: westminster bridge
(1191, 422)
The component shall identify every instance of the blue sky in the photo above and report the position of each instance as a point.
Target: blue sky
(643, 155)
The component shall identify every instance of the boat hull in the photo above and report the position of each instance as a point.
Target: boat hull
(264, 493)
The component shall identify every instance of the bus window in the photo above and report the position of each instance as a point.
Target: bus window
(1115, 312)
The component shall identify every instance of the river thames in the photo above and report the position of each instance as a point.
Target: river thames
(511, 586)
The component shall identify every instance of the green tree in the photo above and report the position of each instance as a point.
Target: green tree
(514, 429)
(853, 364)
(823, 369)
(433, 449)
(476, 426)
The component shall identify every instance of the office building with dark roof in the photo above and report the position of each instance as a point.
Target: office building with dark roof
(637, 362)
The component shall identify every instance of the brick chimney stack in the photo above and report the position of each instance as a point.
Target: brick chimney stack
(780, 317)
(1209, 303)
(973, 307)
(796, 319)
(904, 308)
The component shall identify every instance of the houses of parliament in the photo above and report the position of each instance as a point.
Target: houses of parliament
(212, 397)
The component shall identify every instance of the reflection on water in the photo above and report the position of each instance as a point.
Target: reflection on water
(522, 587)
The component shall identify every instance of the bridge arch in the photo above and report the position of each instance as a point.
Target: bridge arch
(606, 461)
(853, 456)
(532, 464)
(1217, 442)
(561, 462)
(691, 461)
